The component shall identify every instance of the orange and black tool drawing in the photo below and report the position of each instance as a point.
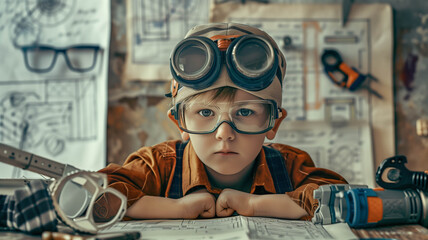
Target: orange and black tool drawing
(345, 76)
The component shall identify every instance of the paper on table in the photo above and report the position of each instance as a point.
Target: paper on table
(237, 227)
(340, 231)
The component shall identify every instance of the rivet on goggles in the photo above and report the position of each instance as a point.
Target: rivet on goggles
(84, 202)
(247, 117)
(250, 59)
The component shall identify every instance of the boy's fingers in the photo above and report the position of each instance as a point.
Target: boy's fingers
(222, 208)
(209, 208)
(210, 213)
(224, 212)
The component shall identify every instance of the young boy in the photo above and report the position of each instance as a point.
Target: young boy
(226, 96)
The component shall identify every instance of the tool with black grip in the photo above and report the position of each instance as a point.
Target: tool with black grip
(343, 75)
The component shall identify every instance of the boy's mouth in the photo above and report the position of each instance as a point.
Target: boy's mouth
(225, 152)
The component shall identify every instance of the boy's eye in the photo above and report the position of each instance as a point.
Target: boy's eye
(245, 112)
(206, 112)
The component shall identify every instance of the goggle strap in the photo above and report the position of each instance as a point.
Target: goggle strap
(223, 44)
(224, 41)
(279, 119)
(173, 116)
(279, 74)
(217, 37)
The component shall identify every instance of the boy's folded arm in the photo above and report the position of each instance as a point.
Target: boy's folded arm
(306, 177)
(140, 174)
(304, 197)
(123, 180)
(191, 206)
(154, 207)
(277, 205)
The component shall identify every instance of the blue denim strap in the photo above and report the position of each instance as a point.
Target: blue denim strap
(278, 170)
(176, 190)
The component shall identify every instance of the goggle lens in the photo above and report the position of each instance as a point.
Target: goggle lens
(192, 59)
(73, 198)
(250, 117)
(253, 57)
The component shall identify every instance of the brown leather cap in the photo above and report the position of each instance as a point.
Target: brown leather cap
(273, 91)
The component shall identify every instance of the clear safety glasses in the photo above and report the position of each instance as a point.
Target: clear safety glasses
(248, 117)
(251, 61)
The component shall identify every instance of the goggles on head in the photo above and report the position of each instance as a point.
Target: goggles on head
(251, 61)
(83, 201)
(248, 117)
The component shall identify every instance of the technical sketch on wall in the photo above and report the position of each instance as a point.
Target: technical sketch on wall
(332, 124)
(346, 150)
(153, 29)
(54, 80)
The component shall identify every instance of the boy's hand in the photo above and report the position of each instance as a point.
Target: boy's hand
(231, 200)
(198, 204)
(248, 204)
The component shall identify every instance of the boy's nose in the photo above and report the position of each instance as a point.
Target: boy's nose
(225, 132)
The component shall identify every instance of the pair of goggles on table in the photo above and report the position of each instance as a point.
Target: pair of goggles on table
(83, 201)
(251, 61)
(248, 117)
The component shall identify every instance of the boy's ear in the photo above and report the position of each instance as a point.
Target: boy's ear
(272, 133)
(184, 135)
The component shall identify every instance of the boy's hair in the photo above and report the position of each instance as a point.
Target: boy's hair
(222, 93)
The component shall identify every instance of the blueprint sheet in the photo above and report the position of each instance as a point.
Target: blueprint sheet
(333, 125)
(53, 100)
(237, 227)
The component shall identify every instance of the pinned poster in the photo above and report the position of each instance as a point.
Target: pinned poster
(153, 29)
(53, 86)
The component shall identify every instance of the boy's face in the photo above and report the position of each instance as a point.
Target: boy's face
(225, 151)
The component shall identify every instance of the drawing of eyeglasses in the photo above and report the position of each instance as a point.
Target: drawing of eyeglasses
(42, 58)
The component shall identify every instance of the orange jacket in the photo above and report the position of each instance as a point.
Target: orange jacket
(149, 171)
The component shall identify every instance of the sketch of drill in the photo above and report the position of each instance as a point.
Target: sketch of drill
(402, 200)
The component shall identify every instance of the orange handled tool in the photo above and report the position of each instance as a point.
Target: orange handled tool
(343, 75)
